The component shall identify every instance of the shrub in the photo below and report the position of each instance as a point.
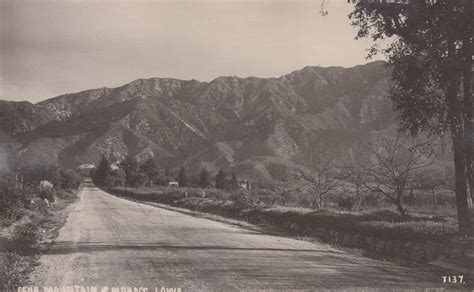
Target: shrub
(25, 237)
(39, 206)
(13, 271)
(71, 179)
(13, 198)
(346, 203)
(47, 194)
(243, 199)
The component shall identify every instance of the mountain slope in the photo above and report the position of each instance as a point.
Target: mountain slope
(243, 123)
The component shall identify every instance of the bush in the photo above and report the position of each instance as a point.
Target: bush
(47, 194)
(13, 271)
(243, 199)
(25, 237)
(39, 206)
(346, 203)
(12, 197)
(71, 179)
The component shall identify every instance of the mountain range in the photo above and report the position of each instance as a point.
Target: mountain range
(247, 124)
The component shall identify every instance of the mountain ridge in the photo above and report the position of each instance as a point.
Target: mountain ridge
(226, 122)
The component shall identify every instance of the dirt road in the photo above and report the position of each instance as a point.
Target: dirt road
(108, 241)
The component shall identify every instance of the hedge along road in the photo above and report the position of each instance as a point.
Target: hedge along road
(109, 241)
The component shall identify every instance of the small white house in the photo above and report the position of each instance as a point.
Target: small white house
(245, 185)
(85, 169)
(173, 184)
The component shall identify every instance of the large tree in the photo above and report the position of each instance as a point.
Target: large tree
(182, 179)
(234, 181)
(428, 44)
(133, 176)
(221, 179)
(391, 166)
(100, 174)
(151, 170)
(204, 178)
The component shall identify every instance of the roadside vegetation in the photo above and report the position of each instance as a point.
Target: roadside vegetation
(391, 172)
(30, 216)
(428, 44)
(415, 238)
(382, 195)
(240, 203)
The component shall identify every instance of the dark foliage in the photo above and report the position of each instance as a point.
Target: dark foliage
(130, 166)
(152, 171)
(221, 180)
(204, 178)
(182, 179)
(100, 174)
(234, 182)
(67, 179)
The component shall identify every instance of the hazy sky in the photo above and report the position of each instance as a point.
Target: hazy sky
(48, 48)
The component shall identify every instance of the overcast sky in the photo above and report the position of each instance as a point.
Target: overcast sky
(48, 48)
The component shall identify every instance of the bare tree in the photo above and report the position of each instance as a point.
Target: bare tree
(320, 174)
(391, 166)
(351, 173)
(285, 182)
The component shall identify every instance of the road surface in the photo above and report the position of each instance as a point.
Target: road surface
(109, 241)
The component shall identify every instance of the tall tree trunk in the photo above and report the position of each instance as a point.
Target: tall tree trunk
(314, 203)
(464, 221)
(401, 210)
(456, 124)
(456, 127)
(398, 203)
(467, 89)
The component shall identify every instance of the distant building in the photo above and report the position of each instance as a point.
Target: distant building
(86, 166)
(85, 169)
(173, 184)
(245, 185)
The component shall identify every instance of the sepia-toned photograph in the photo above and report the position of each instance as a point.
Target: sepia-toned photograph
(236, 145)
